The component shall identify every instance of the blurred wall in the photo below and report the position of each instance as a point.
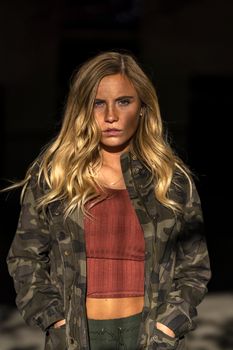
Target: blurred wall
(188, 44)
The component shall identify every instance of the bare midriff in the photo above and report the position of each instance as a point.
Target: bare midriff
(105, 309)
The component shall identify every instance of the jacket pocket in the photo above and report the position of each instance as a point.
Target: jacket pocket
(56, 338)
(162, 341)
(177, 314)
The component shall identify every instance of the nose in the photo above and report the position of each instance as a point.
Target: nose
(111, 114)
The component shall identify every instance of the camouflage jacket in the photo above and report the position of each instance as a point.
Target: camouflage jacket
(47, 261)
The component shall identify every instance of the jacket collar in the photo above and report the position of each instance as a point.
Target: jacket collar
(139, 181)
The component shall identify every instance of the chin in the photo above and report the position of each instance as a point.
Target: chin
(115, 147)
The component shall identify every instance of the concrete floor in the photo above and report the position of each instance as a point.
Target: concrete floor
(214, 332)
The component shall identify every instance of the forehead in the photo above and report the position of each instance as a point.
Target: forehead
(115, 85)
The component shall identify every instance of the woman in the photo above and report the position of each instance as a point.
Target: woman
(109, 252)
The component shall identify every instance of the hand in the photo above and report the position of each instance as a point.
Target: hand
(165, 329)
(58, 324)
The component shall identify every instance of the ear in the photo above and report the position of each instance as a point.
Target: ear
(142, 110)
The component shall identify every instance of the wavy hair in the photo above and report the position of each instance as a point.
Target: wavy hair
(68, 166)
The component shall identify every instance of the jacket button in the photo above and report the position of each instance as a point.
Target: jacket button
(136, 171)
(67, 252)
(56, 213)
(61, 236)
(142, 171)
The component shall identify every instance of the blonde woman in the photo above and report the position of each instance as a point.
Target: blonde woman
(109, 252)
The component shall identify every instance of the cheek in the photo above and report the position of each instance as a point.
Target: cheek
(132, 122)
(97, 117)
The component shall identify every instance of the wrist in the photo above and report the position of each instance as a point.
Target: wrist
(59, 323)
(165, 329)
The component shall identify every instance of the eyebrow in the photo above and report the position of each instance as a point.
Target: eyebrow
(124, 97)
(117, 99)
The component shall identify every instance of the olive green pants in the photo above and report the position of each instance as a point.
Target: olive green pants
(116, 334)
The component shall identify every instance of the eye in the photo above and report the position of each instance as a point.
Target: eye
(124, 102)
(98, 103)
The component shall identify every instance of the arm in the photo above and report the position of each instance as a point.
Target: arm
(38, 300)
(192, 272)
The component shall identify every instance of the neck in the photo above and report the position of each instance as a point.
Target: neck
(110, 173)
(111, 158)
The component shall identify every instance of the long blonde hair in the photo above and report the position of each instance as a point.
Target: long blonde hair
(69, 164)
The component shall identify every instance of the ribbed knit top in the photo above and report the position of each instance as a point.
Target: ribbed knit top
(115, 248)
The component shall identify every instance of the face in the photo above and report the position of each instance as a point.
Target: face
(116, 110)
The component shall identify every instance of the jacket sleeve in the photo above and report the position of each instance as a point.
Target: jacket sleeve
(37, 299)
(192, 270)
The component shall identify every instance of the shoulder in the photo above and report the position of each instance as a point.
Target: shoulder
(183, 188)
(35, 182)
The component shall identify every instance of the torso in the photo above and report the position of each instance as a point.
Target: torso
(100, 309)
(111, 308)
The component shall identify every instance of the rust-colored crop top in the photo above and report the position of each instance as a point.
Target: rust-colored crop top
(115, 248)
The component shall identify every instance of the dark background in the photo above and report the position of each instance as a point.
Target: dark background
(185, 46)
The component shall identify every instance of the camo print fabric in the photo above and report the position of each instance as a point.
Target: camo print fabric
(47, 261)
(56, 338)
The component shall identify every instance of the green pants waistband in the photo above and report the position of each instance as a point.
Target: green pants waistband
(114, 334)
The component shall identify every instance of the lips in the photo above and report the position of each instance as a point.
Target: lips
(112, 132)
